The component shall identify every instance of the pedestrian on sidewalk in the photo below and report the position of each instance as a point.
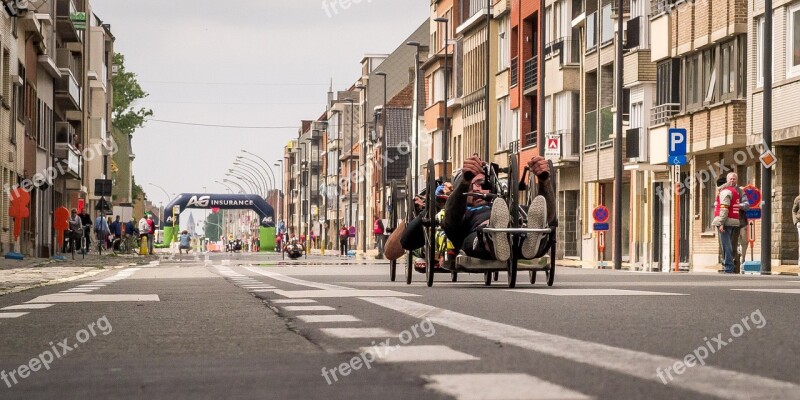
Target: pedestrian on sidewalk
(101, 230)
(151, 233)
(75, 230)
(144, 230)
(726, 218)
(86, 220)
(185, 242)
(344, 237)
(796, 219)
(377, 230)
(737, 238)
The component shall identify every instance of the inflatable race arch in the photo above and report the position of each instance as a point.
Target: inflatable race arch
(266, 214)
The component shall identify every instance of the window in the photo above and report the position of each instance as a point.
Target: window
(504, 45)
(608, 25)
(549, 25)
(709, 76)
(437, 87)
(693, 76)
(760, 52)
(437, 146)
(591, 31)
(504, 135)
(728, 69)
(793, 41)
(6, 77)
(515, 130)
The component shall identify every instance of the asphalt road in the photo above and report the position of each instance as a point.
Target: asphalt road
(247, 327)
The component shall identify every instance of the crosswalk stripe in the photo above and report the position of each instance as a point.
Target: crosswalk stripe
(500, 387)
(784, 291)
(293, 301)
(357, 333)
(342, 293)
(308, 308)
(327, 318)
(90, 298)
(8, 315)
(707, 380)
(593, 292)
(401, 354)
(295, 281)
(28, 307)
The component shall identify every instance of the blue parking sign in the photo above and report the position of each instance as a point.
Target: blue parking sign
(677, 138)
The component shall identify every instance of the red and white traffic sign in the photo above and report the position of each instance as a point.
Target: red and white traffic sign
(553, 148)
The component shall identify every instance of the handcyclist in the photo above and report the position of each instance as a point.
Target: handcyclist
(466, 216)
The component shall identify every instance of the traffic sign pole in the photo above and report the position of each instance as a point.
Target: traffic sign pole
(677, 217)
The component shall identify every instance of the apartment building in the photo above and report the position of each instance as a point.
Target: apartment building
(98, 100)
(785, 118)
(700, 53)
(524, 75)
(12, 129)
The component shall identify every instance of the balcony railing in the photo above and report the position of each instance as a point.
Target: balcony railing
(566, 48)
(470, 8)
(67, 87)
(658, 7)
(636, 145)
(626, 7)
(531, 138)
(661, 114)
(69, 153)
(570, 144)
(590, 131)
(531, 72)
(606, 126)
(514, 72)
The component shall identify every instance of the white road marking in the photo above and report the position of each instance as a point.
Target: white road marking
(308, 308)
(295, 281)
(341, 293)
(593, 292)
(784, 291)
(28, 307)
(357, 333)
(707, 380)
(8, 315)
(327, 318)
(293, 301)
(435, 353)
(78, 291)
(89, 285)
(91, 298)
(499, 387)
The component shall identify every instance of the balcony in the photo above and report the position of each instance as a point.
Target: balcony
(531, 139)
(566, 48)
(70, 23)
(606, 126)
(638, 68)
(658, 7)
(626, 8)
(469, 10)
(531, 73)
(68, 153)
(590, 131)
(636, 145)
(660, 115)
(570, 146)
(514, 72)
(67, 89)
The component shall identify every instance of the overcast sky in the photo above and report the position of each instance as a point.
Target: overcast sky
(240, 62)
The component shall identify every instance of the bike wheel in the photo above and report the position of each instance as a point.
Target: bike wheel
(551, 274)
(513, 199)
(430, 231)
(409, 267)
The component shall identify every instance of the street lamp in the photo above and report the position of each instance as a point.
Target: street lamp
(228, 188)
(280, 192)
(363, 160)
(241, 189)
(265, 163)
(384, 150)
(244, 179)
(258, 176)
(445, 133)
(253, 178)
(350, 163)
(260, 168)
(417, 112)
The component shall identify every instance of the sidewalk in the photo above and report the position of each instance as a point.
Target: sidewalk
(17, 276)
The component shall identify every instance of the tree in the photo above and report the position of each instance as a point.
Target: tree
(212, 227)
(137, 191)
(126, 92)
